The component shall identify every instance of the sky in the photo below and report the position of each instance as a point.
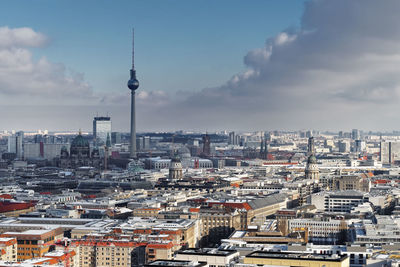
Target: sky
(202, 65)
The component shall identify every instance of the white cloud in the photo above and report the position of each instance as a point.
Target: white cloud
(339, 69)
(21, 37)
(38, 81)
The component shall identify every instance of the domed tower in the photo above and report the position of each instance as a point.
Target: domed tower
(175, 168)
(312, 171)
(80, 147)
(133, 85)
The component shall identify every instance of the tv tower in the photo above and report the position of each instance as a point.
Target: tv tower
(133, 84)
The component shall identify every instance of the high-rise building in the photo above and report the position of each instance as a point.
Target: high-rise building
(116, 138)
(238, 139)
(206, 145)
(133, 85)
(264, 149)
(389, 152)
(146, 142)
(139, 143)
(15, 144)
(344, 146)
(232, 139)
(359, 146)
(101, 128)
(355, 134)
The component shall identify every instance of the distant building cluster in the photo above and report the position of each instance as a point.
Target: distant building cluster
(245, 199)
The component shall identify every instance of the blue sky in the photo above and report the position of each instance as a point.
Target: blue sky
(180, 45)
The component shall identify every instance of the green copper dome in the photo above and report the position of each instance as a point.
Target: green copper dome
(312, 159)
(176, 158)
(79, 141)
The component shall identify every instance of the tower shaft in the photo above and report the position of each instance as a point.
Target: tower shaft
(133, 85)
(133, 126)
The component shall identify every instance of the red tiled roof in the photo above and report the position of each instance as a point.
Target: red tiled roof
(194, 209)
(6, 206)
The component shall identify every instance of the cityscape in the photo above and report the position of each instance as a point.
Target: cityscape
(258, 171)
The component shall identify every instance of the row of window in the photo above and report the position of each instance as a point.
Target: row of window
(21, 248)
(27, 242)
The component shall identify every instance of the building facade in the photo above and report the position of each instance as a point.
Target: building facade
(101, 129)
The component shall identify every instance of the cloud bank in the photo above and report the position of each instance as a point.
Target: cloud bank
(340, 69)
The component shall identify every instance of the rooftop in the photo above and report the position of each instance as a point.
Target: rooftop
(208, 251)
(297, 256)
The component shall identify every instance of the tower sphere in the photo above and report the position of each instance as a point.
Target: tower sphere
(133, 84)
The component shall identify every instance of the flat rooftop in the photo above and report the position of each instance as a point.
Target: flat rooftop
(208, 252)
(296, 256)
(28, 232)
(176, 263)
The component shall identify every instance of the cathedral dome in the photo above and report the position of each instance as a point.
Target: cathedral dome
(79, 141)
(312, 160)
(80, 147)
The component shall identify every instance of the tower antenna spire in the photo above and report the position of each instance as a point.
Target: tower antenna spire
(133, 48)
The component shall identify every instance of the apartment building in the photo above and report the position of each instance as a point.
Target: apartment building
(8, 249)
(34, 243)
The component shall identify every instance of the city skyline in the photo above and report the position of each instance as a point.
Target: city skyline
(317, 64)
(199, 133)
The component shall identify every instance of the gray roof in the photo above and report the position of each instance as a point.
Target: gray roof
(267, 201)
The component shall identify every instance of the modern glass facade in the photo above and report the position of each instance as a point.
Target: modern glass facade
(101, 128)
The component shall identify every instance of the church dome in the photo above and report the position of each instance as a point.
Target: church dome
(312, 160)
(79, 141)
(80, 147)
(184, 153)
(176, 159)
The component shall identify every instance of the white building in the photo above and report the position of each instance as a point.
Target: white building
(15, 144)
(213, 256)
(40, 150)
(340, 201)
(159, 163)
(326, 231)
